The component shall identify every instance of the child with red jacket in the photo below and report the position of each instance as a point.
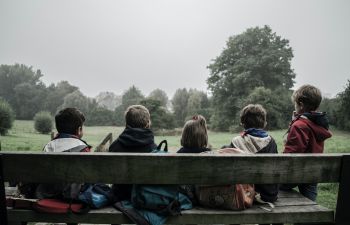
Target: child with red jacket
(307, 131)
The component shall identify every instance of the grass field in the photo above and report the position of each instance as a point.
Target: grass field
(23, 137)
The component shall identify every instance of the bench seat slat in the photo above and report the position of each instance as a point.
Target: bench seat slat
(290, 214)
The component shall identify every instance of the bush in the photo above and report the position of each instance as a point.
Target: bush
(6, 117)
(43, 122)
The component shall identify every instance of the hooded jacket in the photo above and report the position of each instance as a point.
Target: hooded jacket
(258, 141)
(135, 140)
(67, 143)
(307, 133)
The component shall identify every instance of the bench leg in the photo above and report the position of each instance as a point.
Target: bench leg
(3, 210)
(342, 216)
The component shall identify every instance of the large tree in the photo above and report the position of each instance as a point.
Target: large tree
(343, 111)
(256, 58)
(132, 96)
(160, 95)
(56, 94)
(22, 88)
(179, 102)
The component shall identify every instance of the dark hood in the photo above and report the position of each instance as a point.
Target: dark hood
(319, 118)
(136, 137)
(318, 123)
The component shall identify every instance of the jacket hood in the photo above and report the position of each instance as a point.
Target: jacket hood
(319, 118)
(318, 126)
(136, 137)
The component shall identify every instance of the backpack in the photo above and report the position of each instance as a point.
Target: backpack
(159, 147)
(232, 197)
(161, 199)
(96, 195)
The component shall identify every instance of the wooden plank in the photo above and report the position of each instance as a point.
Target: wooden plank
(102, 147)
(290, 214)
(343, 204)
(3, 215)
(171, 168)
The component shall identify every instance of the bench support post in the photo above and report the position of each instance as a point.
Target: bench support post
(3, 210)
(342, 216)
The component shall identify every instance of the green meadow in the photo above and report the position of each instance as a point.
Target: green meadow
(23, 137)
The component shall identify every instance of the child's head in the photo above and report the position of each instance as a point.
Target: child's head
(307, 98)
(137, 116)
(253, 116)
(194, 133)
(70, 121)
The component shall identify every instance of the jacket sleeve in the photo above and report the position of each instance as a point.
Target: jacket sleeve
(297, 139)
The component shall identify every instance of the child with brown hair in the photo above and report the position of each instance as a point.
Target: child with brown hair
(307, 131)
(254, 139)
(194, 138)
(137, 137)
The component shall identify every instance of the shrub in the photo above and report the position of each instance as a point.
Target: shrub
(43, 122)
(6, 117)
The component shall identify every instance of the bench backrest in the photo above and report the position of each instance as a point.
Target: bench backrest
(180, 169)
(170, 168)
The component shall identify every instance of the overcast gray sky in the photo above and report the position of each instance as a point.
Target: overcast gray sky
(111, 45)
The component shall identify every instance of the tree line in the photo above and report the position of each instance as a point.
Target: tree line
(254, 67)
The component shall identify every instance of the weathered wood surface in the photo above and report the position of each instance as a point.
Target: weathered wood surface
(291, 210)
(170, 168)
(343, 204)
(104, 145)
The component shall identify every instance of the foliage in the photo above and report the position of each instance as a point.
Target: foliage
(343, 112)
(256, 58)
(43, 122)
(108, 100)
(198, 103)
(100, 116)
(132, 96)
(160, 117)
(159, 95)
(180, 101)
(22, 88)
(277, 104)
(6, 117)
(29, 99)
(331, 107)
(77, 100)
(119, 115)
(56, 94)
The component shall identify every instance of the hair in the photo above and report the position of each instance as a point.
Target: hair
(69, 120)
(137, 116)
(194, 133)
(309, 95)
(253, 116)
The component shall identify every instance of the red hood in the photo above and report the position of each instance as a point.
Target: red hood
(320, 132)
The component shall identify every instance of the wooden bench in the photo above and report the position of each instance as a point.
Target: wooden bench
(184, 169)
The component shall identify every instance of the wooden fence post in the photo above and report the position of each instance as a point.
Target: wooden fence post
(342, 216)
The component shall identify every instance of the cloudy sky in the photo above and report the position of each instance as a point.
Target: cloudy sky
(111, 45)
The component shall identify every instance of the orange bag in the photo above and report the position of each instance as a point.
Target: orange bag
(233, 197)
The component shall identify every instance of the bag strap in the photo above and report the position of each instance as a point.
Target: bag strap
(132, 214)
(259, 200)
(160, 145)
